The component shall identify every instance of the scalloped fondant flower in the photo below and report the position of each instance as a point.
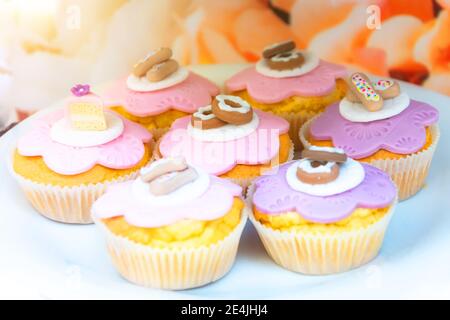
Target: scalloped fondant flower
(187, 96)
(213, 204)
(259, 147)
(122, 153)
(402, 134)
(318, 82)
(273, 195)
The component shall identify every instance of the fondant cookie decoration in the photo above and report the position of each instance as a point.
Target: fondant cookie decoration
(315, 172)
(153, 58)
(320, 165)
(168, 176)
(162, 70)
(310, 62)
(278, 48)
(361, 87)
(388, 89)
(205, 119)
(232, 109)
(286, 61)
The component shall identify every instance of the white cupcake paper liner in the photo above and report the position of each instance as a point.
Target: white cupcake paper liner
(408, 173)
(319, 253)
(173, 268)
(65, 204)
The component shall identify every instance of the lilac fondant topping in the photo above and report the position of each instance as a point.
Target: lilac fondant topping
(273, 195)
(81, 90)
(402, 134)
(320, 81)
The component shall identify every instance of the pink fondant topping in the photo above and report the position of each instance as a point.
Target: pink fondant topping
(122, 153)
(259, 147)
(321, 81)
(273, 195)
(403, 134)
(187, 96)
(213, 204)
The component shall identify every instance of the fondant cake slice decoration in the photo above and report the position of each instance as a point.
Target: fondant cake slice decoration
(86, 110)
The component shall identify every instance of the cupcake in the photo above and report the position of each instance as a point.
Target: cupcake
(175, 227)
(229, 139)
(72, 154)
(159, 91)
(323, 214)
(290, 83)
(383, 127)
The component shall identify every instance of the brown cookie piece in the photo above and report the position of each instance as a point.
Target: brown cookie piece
(388, 89)
(350, 96)
(286, 61)
(162, 70)
(232, 109)
(322, 177)
(363, 89)
(324, 156)
(278, 48)
(205, 119)
(170, 165)
(154, 57)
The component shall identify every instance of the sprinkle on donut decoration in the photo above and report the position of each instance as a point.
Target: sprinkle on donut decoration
(282, 56)
(156, 66)
(320, 166)
(371, 96)
(168, 176)
(225, 109)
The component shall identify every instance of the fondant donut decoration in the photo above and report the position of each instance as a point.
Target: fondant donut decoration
(286, 61)
(315, 172)
(154, 57)
(362, 88)
(388, 89)
(278, 48)
(162, 70)
(169, 176)
(205, 119)
(232, 109)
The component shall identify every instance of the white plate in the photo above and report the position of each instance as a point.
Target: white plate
(44, 259)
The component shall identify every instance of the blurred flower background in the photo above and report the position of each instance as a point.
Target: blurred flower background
(48, 45)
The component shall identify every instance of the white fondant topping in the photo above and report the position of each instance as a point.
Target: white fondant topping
(305, 165)
(143, 85)
(245, 106)
(356, 112)
(351, 174)
(192, 190)
(311, 62)
(227, 132)
(63, 132)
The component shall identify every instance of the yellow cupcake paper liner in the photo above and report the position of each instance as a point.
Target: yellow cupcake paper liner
(244, 182)
(173, 269)
(315, 253)
(65, 204)
(408, 173)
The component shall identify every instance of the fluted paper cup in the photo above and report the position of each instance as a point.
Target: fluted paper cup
(321, 253)
(174, 268)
